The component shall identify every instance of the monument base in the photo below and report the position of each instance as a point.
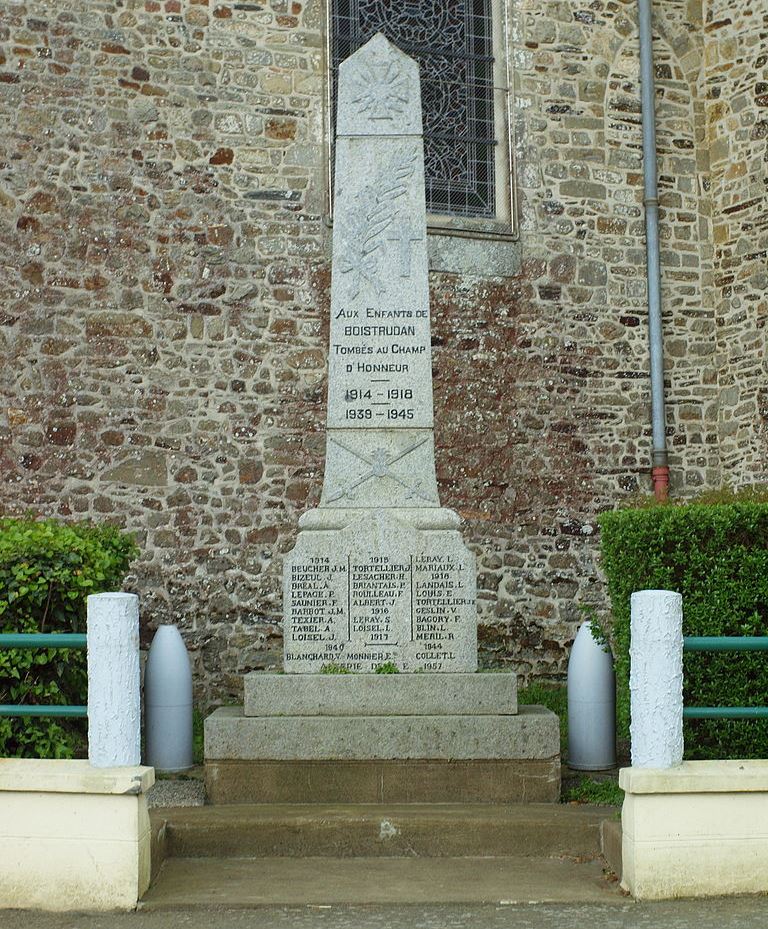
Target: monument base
(418, 517)
(339, 738)
(379, 592)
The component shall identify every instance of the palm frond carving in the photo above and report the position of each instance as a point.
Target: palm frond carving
(375, 208)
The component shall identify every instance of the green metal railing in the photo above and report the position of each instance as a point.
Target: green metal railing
(42, 640)
(729, 643)
(690, 644)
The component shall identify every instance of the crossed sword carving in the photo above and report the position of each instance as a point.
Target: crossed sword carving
(380, 464)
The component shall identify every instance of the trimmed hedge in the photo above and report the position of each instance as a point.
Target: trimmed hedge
(47, 569)
(716, 556)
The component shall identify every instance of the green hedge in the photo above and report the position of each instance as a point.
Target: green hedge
(716, 556)
(47, 569)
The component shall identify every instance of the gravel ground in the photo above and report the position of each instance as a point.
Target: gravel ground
(168, 793)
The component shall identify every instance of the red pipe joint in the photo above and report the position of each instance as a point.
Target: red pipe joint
(660, 478)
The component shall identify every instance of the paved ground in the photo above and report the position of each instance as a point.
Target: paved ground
(738, 913)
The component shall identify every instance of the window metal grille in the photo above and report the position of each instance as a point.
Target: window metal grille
(452, 40)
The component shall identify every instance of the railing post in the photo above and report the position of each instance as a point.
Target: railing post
(656, 679)
(114, 683)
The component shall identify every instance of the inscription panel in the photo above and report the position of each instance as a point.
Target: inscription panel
(384, 593)
(380, 372)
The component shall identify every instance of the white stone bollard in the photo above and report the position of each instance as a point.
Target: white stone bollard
(656, 679)
(114, 680)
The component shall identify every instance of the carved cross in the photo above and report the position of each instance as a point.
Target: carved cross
(380, 462)
(405, 235)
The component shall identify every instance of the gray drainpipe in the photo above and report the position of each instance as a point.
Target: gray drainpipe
(660, 465)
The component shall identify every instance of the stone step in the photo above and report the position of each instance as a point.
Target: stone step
(387, 781)
(382, 759)
(380, 830)
(250, 882)
(487, 694)
(534, 733)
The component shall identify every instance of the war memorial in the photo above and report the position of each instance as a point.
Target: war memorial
(379, 579)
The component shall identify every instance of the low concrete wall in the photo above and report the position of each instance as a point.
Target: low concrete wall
(699, 829)
(74, 837)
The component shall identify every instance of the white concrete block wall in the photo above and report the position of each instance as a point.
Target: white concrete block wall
(699, 829)
(73, 837)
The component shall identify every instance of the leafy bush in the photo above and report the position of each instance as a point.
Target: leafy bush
(47, 569)
(716, 556)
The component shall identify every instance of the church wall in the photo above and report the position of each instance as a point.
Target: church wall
(166, 299)
(578, 368)
(736, 90)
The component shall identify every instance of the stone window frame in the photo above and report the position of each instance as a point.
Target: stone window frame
(505, 225)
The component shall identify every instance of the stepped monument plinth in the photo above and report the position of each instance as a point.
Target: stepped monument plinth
(381, 698)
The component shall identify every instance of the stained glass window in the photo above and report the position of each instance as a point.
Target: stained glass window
(453, 42)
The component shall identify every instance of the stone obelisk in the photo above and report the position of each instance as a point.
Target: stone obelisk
(379, 574)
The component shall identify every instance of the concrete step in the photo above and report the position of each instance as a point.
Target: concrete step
(531, 734)
(379, 830)
(610, 844)
(238, 882)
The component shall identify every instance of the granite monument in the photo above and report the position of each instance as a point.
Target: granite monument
(379, 578)
(379, 574)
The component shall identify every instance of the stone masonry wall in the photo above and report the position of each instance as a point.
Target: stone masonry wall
(162, 221)
(737, 122)
(166, 291)
(564, 357)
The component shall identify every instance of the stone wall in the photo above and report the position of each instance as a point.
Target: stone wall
(736, 90)
(161, 200)
(166, 288)
(580, 438)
